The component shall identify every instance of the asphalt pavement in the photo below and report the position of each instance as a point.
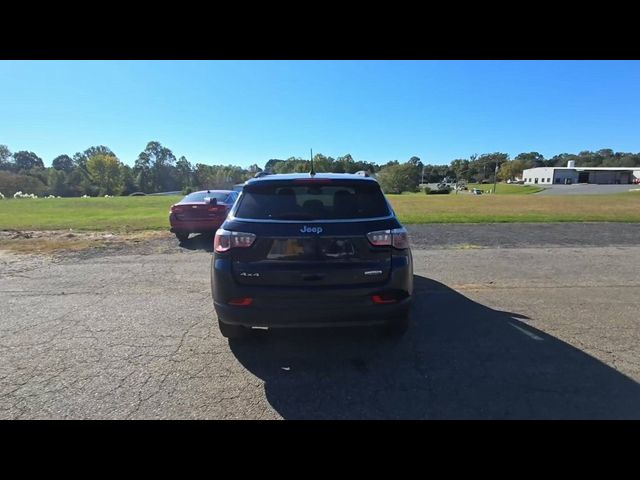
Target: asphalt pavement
(532, 322)
(584, 189)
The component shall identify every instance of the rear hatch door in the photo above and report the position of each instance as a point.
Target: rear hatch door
(315, 236)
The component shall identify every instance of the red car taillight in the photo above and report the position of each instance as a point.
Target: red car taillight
(226, 240)
(175, 209)
(397, 238)
(384, 298)
(241, 302)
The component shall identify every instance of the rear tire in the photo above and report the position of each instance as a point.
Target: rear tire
(232, 331)
(182, 237)
(398, 326)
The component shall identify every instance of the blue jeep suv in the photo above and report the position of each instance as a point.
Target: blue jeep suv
(311, 250)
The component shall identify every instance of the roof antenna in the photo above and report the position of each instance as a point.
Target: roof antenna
(312, 172)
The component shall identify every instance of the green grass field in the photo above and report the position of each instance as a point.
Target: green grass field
(122, 214)
(467, 208)
(131, 214)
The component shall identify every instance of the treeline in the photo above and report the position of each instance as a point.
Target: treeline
(97, 171)
(397, 177)
(480, 168)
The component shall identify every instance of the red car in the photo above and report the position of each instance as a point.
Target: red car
(201, 212)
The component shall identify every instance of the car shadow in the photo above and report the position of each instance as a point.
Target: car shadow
(459, 360)
(199, 241)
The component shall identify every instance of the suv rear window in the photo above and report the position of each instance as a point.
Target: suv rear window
(315, 201)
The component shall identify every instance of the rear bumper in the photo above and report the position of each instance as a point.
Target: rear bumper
(281, 307)
(287, 316)
(198, 226)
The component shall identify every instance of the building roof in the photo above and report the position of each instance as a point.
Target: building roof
(582, 169)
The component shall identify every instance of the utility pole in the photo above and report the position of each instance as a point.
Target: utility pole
(495, 177)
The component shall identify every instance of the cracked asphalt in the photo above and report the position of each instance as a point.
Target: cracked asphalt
(510, 321)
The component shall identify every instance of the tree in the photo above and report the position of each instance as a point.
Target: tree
(292, 164)
(253, 169)
(560, 160)
(63, 162)
(27, 160)
(415, 161)
(511, 170)
(80, 158)
(106, 173)
(346, 164)
(143, 174)
(219, 176)
(270, 166)
(5, 158)
(531, 159)
(11, 183)
(487, 164)
(628, 160)
(398, 178)
(128, 180)
(57, 182)
(322, 163)
(154, 168)
(184, 172)
(416, 165)
(460, 169)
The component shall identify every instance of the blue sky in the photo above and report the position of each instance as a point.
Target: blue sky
(244, 112)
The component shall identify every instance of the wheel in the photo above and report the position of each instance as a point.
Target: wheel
(232, 331)
(398, 326)
(182, 237)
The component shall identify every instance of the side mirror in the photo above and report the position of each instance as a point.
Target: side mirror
(213, 201)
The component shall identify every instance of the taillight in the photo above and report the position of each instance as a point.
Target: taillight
(397, 238)
(384, 298)
(380, 238)
(241, 302)
(400, 238)
(226, 240)
(215, 209)
(175, 209)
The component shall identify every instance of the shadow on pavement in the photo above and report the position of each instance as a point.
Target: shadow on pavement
(459, 359)
(199, 241)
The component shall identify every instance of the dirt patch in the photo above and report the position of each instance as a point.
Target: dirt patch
(59, 242)
(15, 264)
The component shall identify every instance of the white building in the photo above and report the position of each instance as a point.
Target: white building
(572, 174)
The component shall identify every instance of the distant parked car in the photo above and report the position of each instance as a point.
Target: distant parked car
(201, 212)
(476, 191)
